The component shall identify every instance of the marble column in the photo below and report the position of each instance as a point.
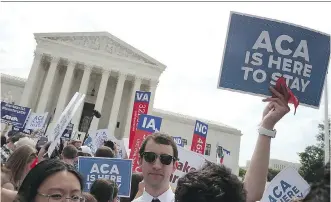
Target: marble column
(116, 103)
(31, 82)
(152, 88)
(48, 84)
(82, 89)
(136, 87)
(100, 98)
(66, 85)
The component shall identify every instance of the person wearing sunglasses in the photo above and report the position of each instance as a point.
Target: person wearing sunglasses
(158, 160)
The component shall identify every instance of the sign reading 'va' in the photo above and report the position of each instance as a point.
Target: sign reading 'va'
(259, 51)
(140, 106)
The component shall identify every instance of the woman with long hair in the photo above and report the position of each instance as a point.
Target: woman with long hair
(17, 167)
(51, 180)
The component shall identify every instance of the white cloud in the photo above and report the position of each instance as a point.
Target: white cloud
(188, 38)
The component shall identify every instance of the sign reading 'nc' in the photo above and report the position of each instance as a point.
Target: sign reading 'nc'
(201, 128)
(259, 51)
(199, 137)
(142, 96)
(149, 123)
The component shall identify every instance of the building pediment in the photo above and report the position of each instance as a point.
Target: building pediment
(103, 42)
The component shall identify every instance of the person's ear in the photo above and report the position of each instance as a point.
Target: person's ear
(140, 160)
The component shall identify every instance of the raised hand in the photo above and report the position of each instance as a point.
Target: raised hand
(277, 107)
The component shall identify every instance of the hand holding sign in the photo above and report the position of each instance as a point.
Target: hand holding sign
(276, 109)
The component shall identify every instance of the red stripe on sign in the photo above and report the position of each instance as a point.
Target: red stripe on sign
(138, 108)
(198, 144)
(134, 154)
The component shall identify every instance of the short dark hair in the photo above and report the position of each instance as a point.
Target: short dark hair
(104, 190)
(109, 144)
(104, 151)
(213, 183)
(160, 138)
(136, 178)
(38, 174)
(70, 152)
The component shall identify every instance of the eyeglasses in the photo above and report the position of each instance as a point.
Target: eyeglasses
(59, 197)
(151, 157)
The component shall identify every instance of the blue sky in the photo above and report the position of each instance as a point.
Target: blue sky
(189, 39)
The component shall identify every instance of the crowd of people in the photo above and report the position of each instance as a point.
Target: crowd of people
(28, 174)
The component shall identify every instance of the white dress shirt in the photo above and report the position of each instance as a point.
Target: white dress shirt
(167, 196)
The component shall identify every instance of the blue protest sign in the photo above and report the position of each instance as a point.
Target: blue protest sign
(201, 129)
(118, 170)
(149, 123)
(142, 96)
(68, 131)
(258, 51)
(14, 114)
(178, 141)
(22, 130)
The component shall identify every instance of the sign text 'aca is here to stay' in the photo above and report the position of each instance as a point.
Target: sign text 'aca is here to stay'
(259, 51)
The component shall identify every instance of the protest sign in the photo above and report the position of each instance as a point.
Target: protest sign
(140, 106)
(147, 125)
(178, 141)
(78, 136)
(68, 131)
(220, 155)
(55, 133)
(287, 185)
(199, 137)
(188, 161)
(36, 121)
(258, 51)
(117, 170)
(22, 130)
(14, 114)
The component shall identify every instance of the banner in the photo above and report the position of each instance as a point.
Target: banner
(178, 141)
(147, 125)
(188, 161)
(55, 133)
(117, 170)
(199, 137)
(223, 156)
(14, 114)
(287, 185)
(140, 106)
(36, 121)
(68, 132)
(258, 51)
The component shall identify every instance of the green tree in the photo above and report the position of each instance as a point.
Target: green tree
(312, 159)
(242, 173)
(271, 174)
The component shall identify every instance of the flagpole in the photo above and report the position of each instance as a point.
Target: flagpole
(326, 123)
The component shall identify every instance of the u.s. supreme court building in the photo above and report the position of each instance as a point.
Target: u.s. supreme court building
(108, 71)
